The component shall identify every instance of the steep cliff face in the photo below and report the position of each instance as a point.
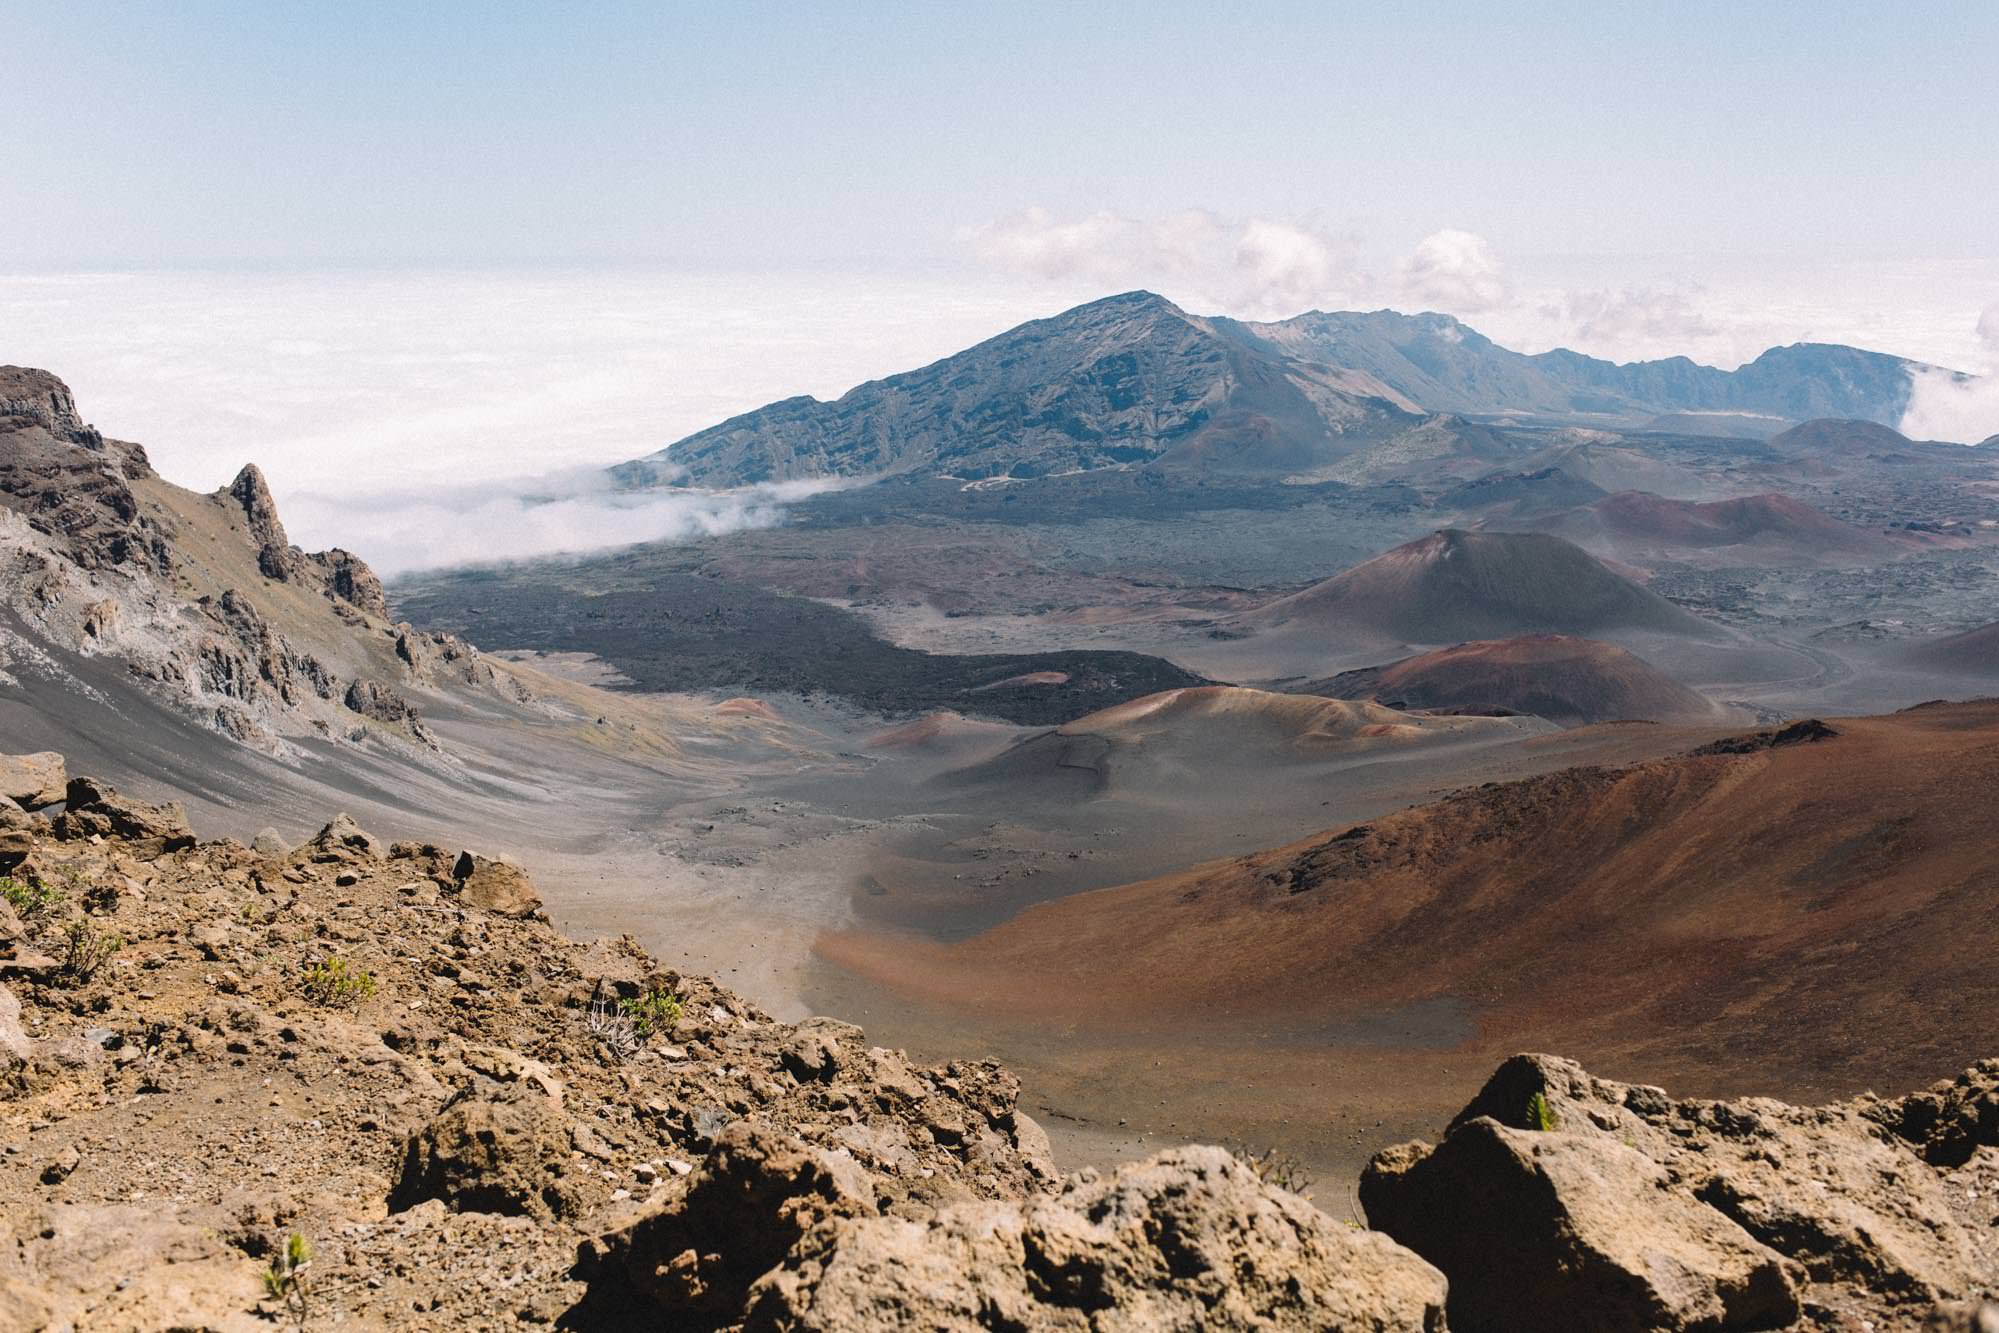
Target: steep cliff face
(202, 598)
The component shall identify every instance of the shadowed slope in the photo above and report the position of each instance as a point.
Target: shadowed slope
(1562, 678)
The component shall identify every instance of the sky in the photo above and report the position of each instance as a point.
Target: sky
(374, 245)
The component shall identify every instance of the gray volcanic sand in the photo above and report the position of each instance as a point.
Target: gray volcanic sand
(732, 851)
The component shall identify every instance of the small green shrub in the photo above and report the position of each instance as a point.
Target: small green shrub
(32, 900)
(285, 1281)
(1540, 1115)
(85, 950)
(335, 982)
(658, 1010)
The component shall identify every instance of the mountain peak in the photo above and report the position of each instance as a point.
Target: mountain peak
(43, 399)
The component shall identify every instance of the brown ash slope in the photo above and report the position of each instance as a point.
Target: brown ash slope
(1798, 910)
(1455, 585)
(1560, 677)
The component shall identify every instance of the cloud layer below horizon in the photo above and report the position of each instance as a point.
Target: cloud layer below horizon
(428, 417)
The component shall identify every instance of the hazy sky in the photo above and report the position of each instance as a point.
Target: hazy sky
(739, 134)
(405, 255)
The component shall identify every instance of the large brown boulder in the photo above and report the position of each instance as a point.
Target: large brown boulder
(1190, 1240)
(93, 807)
(690, 1261)
(33, 780)
(507, 1152)
(494, 886)
(1549, 1230)
(1856, 1199)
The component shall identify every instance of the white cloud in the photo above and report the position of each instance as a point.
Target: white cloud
(1660, 323)
(1454, 271)
(1943, 406)
(547, 516)
(1254, 267)
(366, 397)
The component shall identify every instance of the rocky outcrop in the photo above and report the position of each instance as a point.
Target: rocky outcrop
(32, 780)
(95, 809)
(1555, 1191)
(1190, 1239)
(691, 1259)
(474, 1121)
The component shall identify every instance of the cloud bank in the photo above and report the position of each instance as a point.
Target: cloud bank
(415, 417)
(1943, 406)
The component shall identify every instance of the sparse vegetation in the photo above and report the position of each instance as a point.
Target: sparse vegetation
(606, 1020)
(32, 900)
(285, 1280)
(1273, 1166)
(656, 1011)
(334, 982)
(85, 950)
(1540, 1115)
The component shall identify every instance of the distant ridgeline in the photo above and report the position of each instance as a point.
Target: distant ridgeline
(1133, 379)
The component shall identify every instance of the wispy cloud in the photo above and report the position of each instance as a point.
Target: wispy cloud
(548, 516)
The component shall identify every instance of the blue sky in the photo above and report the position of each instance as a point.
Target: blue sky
(385, 249)
(762, 136)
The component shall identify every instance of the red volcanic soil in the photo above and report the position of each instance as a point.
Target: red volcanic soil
(1795, 912)
(1562, 678)
(1973, 653)
(1772, 523)
(1456, 585)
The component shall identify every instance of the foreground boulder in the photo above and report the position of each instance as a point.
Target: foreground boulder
(693, 1257)
(1572, 1231)
(1191, 1239)
(494, 886)
(507, 1153)
(95, 809)
(1558, 1200)
(33, 780)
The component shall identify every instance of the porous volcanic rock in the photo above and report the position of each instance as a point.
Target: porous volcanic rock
(93, 807)
(1555, 1191)
(504, 1153)
(1190, 1239)
(495, 886)
(31, 780)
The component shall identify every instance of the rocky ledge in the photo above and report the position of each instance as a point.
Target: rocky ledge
(275, 1086)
